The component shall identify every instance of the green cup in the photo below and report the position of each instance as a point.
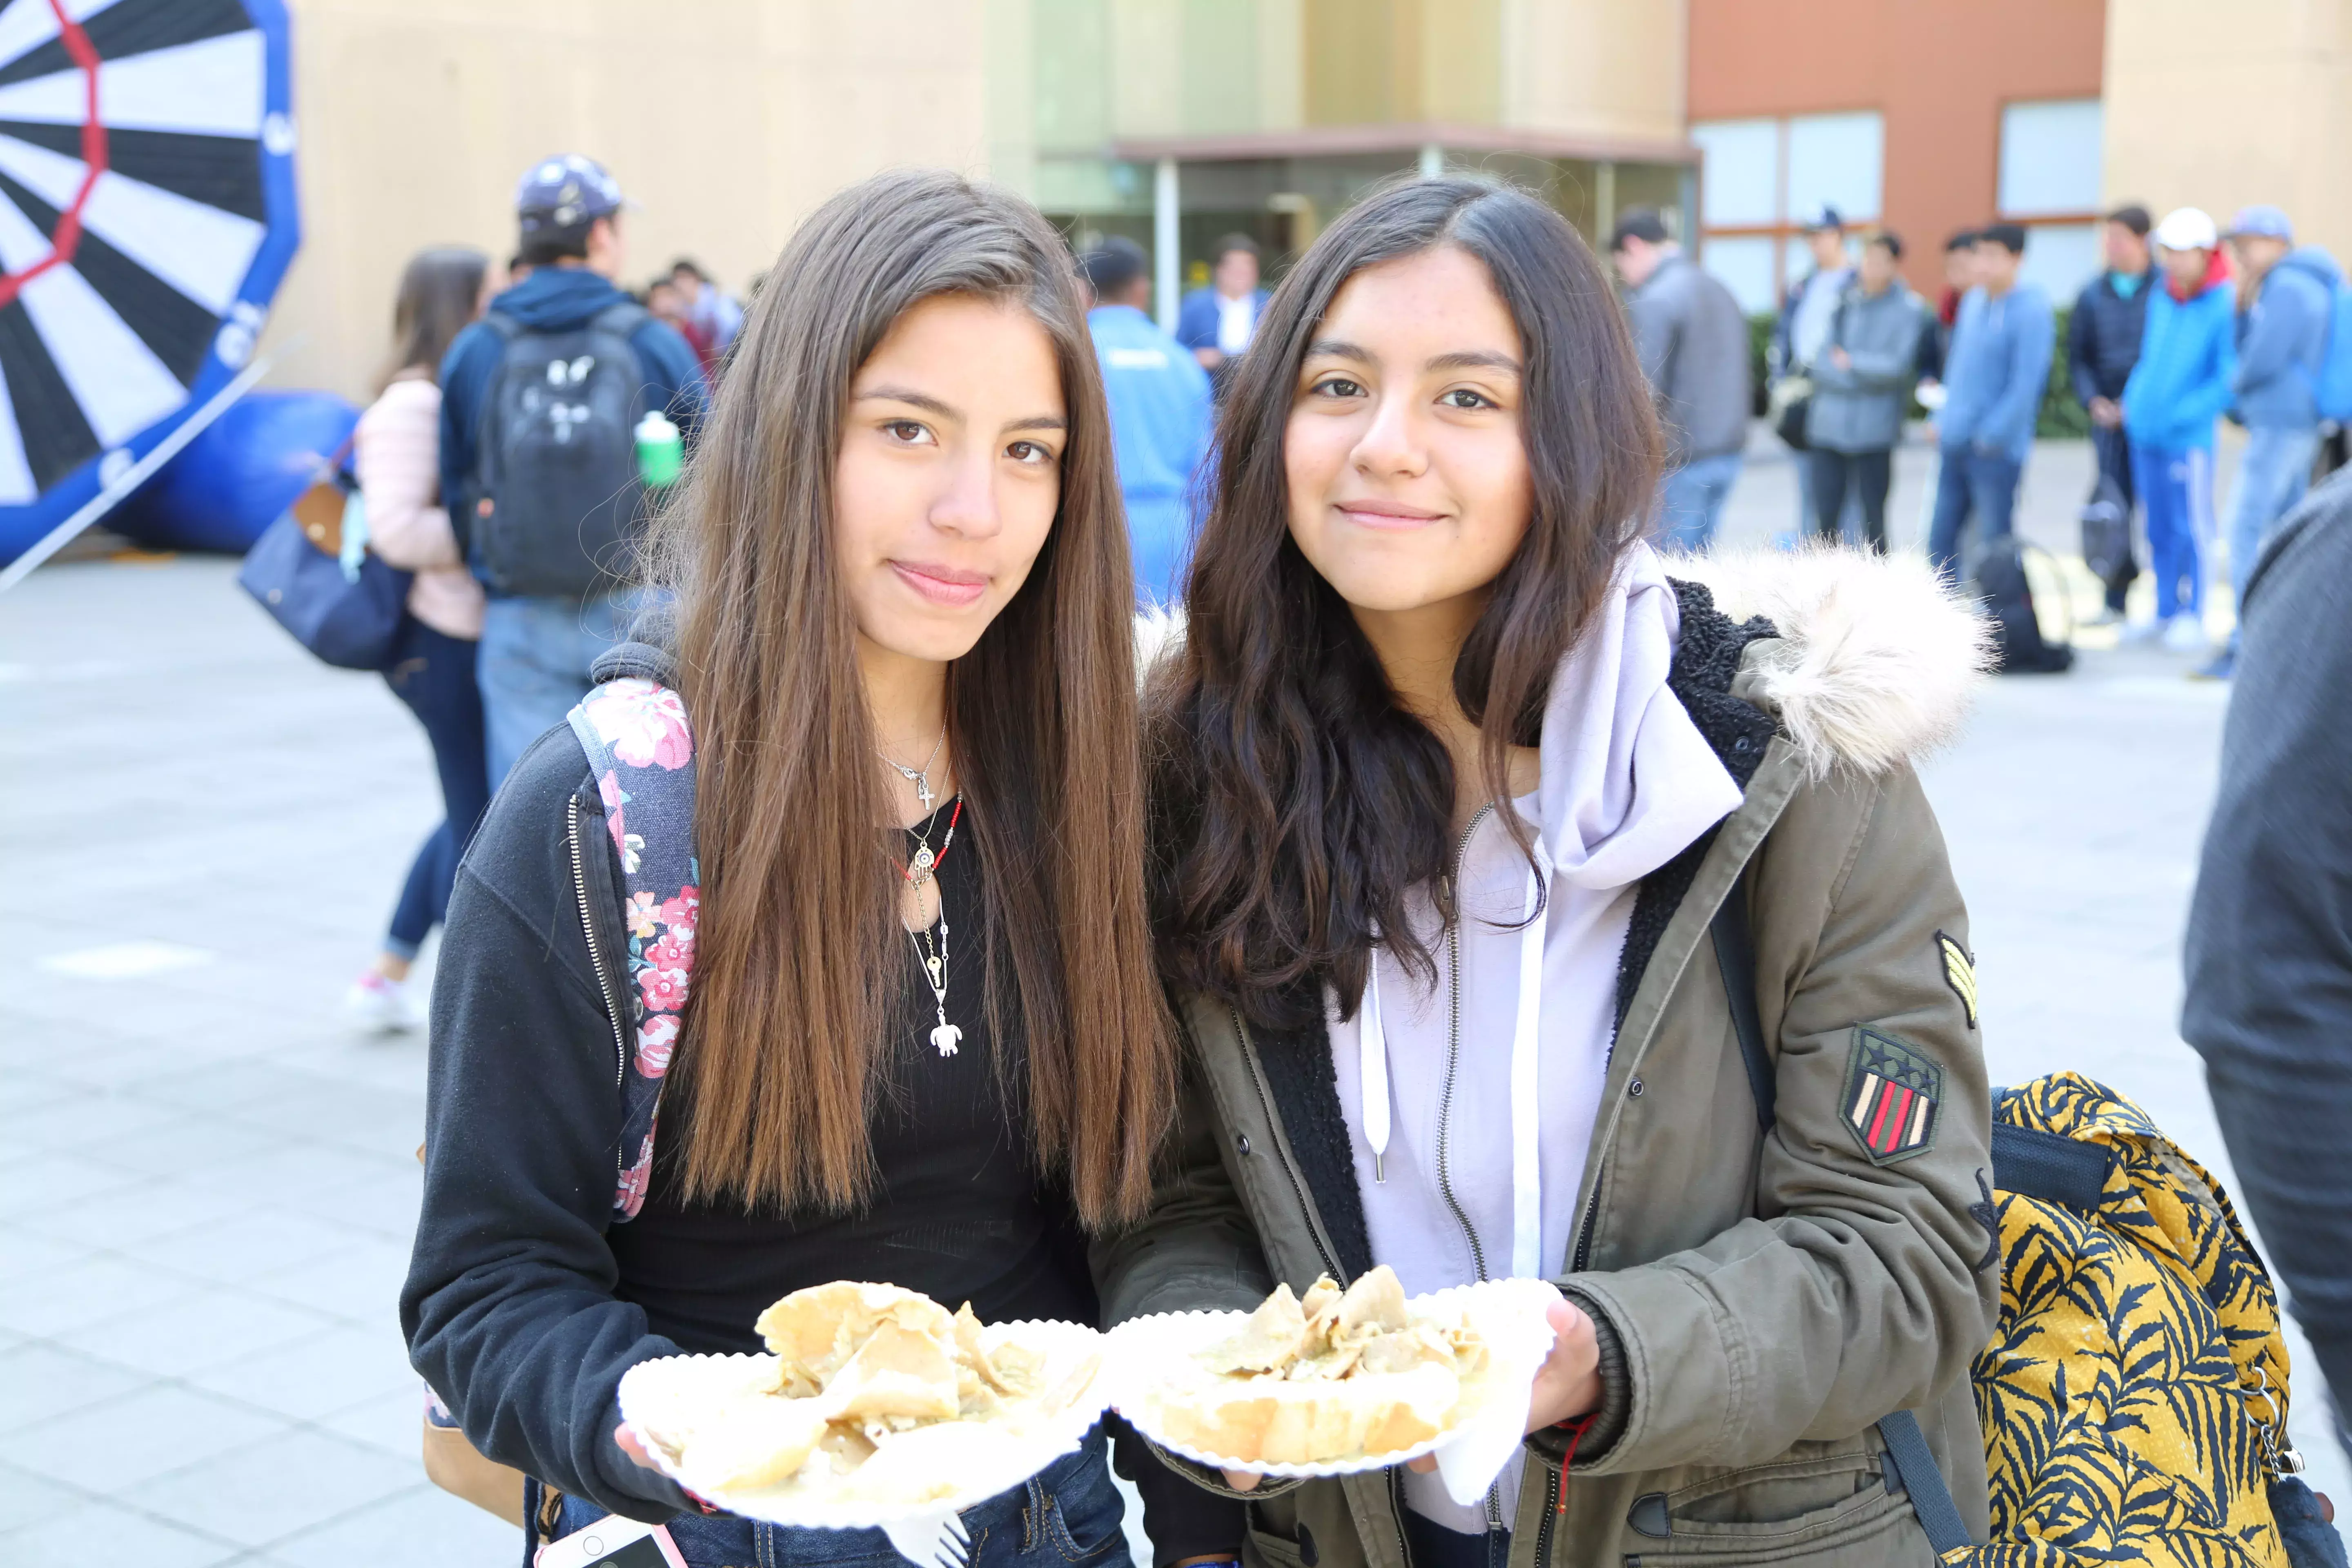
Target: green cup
(661, 452)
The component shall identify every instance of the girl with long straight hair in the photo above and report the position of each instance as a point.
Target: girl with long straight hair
(900, 629)
(1478, 829)
(395, 452)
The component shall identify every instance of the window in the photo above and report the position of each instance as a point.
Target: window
(1741, 183)
(1833, 161)
(1762, 177)
(2049, 158)
(2060, 257)
(1743, 264)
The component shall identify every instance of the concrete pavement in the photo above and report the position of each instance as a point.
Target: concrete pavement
(212, 1179)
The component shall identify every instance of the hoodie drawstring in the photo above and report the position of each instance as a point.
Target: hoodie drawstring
(1527, 1164)
(1372, 1066)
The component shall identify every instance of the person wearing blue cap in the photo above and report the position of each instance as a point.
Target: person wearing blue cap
(543, 403)
(2284, 294)
(1159, 397)
(1803, 331)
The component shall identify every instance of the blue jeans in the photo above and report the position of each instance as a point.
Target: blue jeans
(534, 666)
(2272, 478)
(2176, 494)
(1068, 1515)
(433, 674)
(1690, 501)
(1969, 479)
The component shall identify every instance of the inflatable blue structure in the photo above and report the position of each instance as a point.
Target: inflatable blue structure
(230, 482)
(150, 173)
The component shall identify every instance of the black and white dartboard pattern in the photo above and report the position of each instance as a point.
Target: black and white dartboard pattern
(146, 216)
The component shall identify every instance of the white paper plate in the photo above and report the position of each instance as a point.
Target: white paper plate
(923, 1533)
(1509, 1313)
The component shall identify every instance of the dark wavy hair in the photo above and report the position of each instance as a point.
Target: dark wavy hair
(1294, 802)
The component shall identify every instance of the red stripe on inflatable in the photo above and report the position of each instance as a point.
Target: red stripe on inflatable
(67, 238)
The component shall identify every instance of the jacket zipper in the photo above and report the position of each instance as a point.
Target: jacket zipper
(1555, 1504)
(596, 960)
(1453, 1055)
(1584, 1232)
(1330, 1264)
(1446, 1102)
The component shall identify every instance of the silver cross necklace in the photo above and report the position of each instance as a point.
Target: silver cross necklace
(920, 868)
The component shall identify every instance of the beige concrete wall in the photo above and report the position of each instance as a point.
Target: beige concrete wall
(1188, 68)
(1596, 68)
(2252, 103)
(726, 119)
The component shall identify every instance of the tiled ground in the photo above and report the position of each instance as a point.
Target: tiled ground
(214, 1182)
(211, 1181)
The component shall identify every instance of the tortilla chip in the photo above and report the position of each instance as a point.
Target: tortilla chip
(1268, 1420)
(1269, 1340)
(897, 1374)
(925, 1463)
(1375, 1301)
(819, 1329)
(756, 1441)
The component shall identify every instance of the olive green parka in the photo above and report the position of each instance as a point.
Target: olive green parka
(1762, 1297)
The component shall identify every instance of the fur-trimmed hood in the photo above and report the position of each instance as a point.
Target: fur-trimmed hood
(1875, 662)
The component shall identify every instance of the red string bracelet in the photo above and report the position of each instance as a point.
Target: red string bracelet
(1575, 1430)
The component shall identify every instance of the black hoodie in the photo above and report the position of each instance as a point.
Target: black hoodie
(509, 1308)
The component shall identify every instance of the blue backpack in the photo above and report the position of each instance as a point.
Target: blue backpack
(2332, 390)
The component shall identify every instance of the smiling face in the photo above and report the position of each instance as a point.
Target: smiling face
(949, 475)
(1408, 474)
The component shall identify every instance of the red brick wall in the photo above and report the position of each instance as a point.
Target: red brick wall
(1937, 70)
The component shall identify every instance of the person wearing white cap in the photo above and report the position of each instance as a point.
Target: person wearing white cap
(2179, 388)
(2284, 295)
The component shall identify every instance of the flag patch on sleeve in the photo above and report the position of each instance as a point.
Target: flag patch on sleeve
(1892, 1097)
(1959, 973)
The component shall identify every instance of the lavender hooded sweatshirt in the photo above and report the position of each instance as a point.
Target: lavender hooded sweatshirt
(1627, 782)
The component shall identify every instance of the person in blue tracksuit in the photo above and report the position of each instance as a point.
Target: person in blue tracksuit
(1159, 397)
(2188, 355)
(2285, 298)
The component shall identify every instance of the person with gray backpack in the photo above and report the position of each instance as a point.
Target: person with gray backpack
(563, 411)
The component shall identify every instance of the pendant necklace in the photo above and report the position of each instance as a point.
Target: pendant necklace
(919, 777)
(933, 957)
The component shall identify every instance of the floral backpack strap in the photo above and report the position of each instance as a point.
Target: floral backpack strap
(642, 754)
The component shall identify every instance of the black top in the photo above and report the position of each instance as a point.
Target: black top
(515, 1308)
(957, 1212)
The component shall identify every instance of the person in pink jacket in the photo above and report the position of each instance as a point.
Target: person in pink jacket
(397, 452)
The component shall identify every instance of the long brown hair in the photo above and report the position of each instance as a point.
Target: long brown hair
(440, 290)
(1295, 802)
(800, 954)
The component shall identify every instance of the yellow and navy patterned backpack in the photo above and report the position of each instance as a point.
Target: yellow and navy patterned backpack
(2134, 1396)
